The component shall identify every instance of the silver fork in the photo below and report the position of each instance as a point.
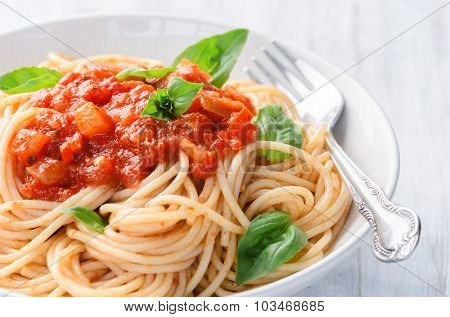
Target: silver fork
(396, 229)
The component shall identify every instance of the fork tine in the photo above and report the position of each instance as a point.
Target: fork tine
(293, 94)
(293, 61)
(252, 75)
(292, 78)
(285, 52)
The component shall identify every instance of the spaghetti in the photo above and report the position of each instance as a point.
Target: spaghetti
(172, 231)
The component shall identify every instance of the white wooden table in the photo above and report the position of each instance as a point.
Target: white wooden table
(410, 78)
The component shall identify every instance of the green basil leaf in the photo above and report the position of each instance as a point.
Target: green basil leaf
(145, 73)
(216, 54)
(182, 93)
(28, 79)
(173, 101)
(274, 125)
(88, 217)
(159, 105)
(270, 240)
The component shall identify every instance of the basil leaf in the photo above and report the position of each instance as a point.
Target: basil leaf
(182, 93)
(270, 240)
(216, 54)
(28, 79)
(88, 217)
(274, 125)
(173, 101)
(159, 105)
(145, 73)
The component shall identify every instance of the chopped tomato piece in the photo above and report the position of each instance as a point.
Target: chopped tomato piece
(190, 72)
(240, 131)
(104, 169)
(70, 147)
(204, 162)
(205, 168)
(102, 70)
(42, 98)
(28, 145)
(231, 92)
(242, 117)
(223, 107)
(92, 120)
(90, 90)
(69, 78)
(50, 119)
(49, 172)
(112, 86)
(100, 170)
(61, 100)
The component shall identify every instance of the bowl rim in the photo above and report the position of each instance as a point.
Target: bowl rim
(354, 241)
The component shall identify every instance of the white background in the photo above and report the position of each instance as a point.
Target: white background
(410, 78)
(334, 306)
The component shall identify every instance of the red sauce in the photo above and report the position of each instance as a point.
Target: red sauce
(91, 132)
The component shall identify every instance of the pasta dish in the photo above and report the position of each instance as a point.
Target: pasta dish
(120, 176)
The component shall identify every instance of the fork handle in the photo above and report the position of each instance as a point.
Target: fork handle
(396, 229)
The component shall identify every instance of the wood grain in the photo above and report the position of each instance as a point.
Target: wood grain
(410, 78)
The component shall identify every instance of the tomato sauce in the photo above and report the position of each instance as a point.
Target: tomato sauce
(90, 132)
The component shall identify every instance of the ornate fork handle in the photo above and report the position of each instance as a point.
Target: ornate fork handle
(397, 238)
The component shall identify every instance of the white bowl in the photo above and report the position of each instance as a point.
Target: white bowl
(363, 130)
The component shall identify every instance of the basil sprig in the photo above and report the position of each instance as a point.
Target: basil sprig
(145, 73)
(216, 54)
(274, 125)
(88, 217)
(172, 101)
(270, 240)
(28, 79)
